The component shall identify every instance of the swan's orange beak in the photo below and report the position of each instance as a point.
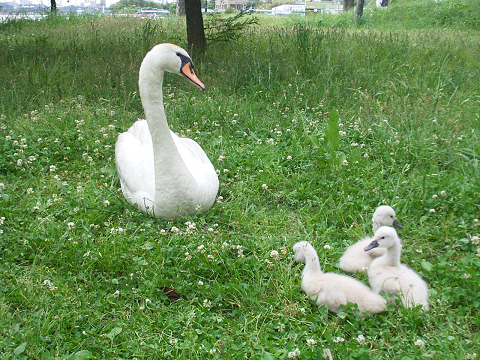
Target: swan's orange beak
(187, 72)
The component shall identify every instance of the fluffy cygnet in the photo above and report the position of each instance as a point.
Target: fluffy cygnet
(388, 274)
(355, 258)
(334, 290)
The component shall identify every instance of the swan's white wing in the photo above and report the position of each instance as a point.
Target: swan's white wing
(134, 161)
(199, 166)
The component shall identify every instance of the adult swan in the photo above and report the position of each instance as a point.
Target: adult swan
(164, 175)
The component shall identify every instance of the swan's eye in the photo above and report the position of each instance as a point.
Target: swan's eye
(185, 60)
(383, 237)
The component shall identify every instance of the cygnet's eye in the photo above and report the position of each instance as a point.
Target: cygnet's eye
(383, 237)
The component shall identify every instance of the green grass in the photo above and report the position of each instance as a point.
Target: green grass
(78, 263)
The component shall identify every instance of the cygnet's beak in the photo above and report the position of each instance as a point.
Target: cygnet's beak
(397, 224)
(372, 245)
(187, 72)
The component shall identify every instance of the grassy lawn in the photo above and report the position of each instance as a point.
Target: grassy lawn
(82, 271)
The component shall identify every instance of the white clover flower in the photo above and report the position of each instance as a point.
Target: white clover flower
(443, 193)
(173, 341)
(360, 339)
(435, 196)
(432, 211)
(19, 162)
(210, 257)
(274, 254)
(2, 186)
(32, 158)
(187, 256)
(106, 203)
(148, 301)
(221, 158)
(345, 163)
(289, 157)
(30, 191)
(311, 342)
(294, 354)
(420, 343)
(284, 250)
(70, 225)
(207, 304)
(200, 282)
(264, 186)
(52, 168)
(327, 247)
(366, 156)
(338, 339)
(175, 230)
(302, 310)
(475, 240)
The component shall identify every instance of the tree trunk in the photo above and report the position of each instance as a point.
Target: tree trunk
(53, 6)
(359, 10)
(348, 4)
(180, 11)
(195, 31)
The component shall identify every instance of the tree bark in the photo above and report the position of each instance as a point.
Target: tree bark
(195, 31)
(348, 4)
(180, 11)
(359, 10)
(53, 6)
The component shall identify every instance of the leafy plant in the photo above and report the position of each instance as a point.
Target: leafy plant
(221, 28)
(327, 147)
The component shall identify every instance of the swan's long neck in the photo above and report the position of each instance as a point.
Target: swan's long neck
(312, 264)
(392, 256)
(170, 169)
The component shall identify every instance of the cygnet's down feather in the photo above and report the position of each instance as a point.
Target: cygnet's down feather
(354, 258)
(334, 290)
(388, 274)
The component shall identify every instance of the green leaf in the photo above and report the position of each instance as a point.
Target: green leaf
(426, 265)
(20, 349)
(147, 246)
(81, 355)
(315, 142)
(116, 330)
(267, 356)
(332, 135)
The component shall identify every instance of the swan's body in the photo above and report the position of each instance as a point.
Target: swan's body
(164, 175)
(355, 258)
(388, 274)
(334, 290)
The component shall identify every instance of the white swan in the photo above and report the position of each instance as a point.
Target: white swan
(388, 274)
(331, 289)
(355, 258)
(164, 175)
